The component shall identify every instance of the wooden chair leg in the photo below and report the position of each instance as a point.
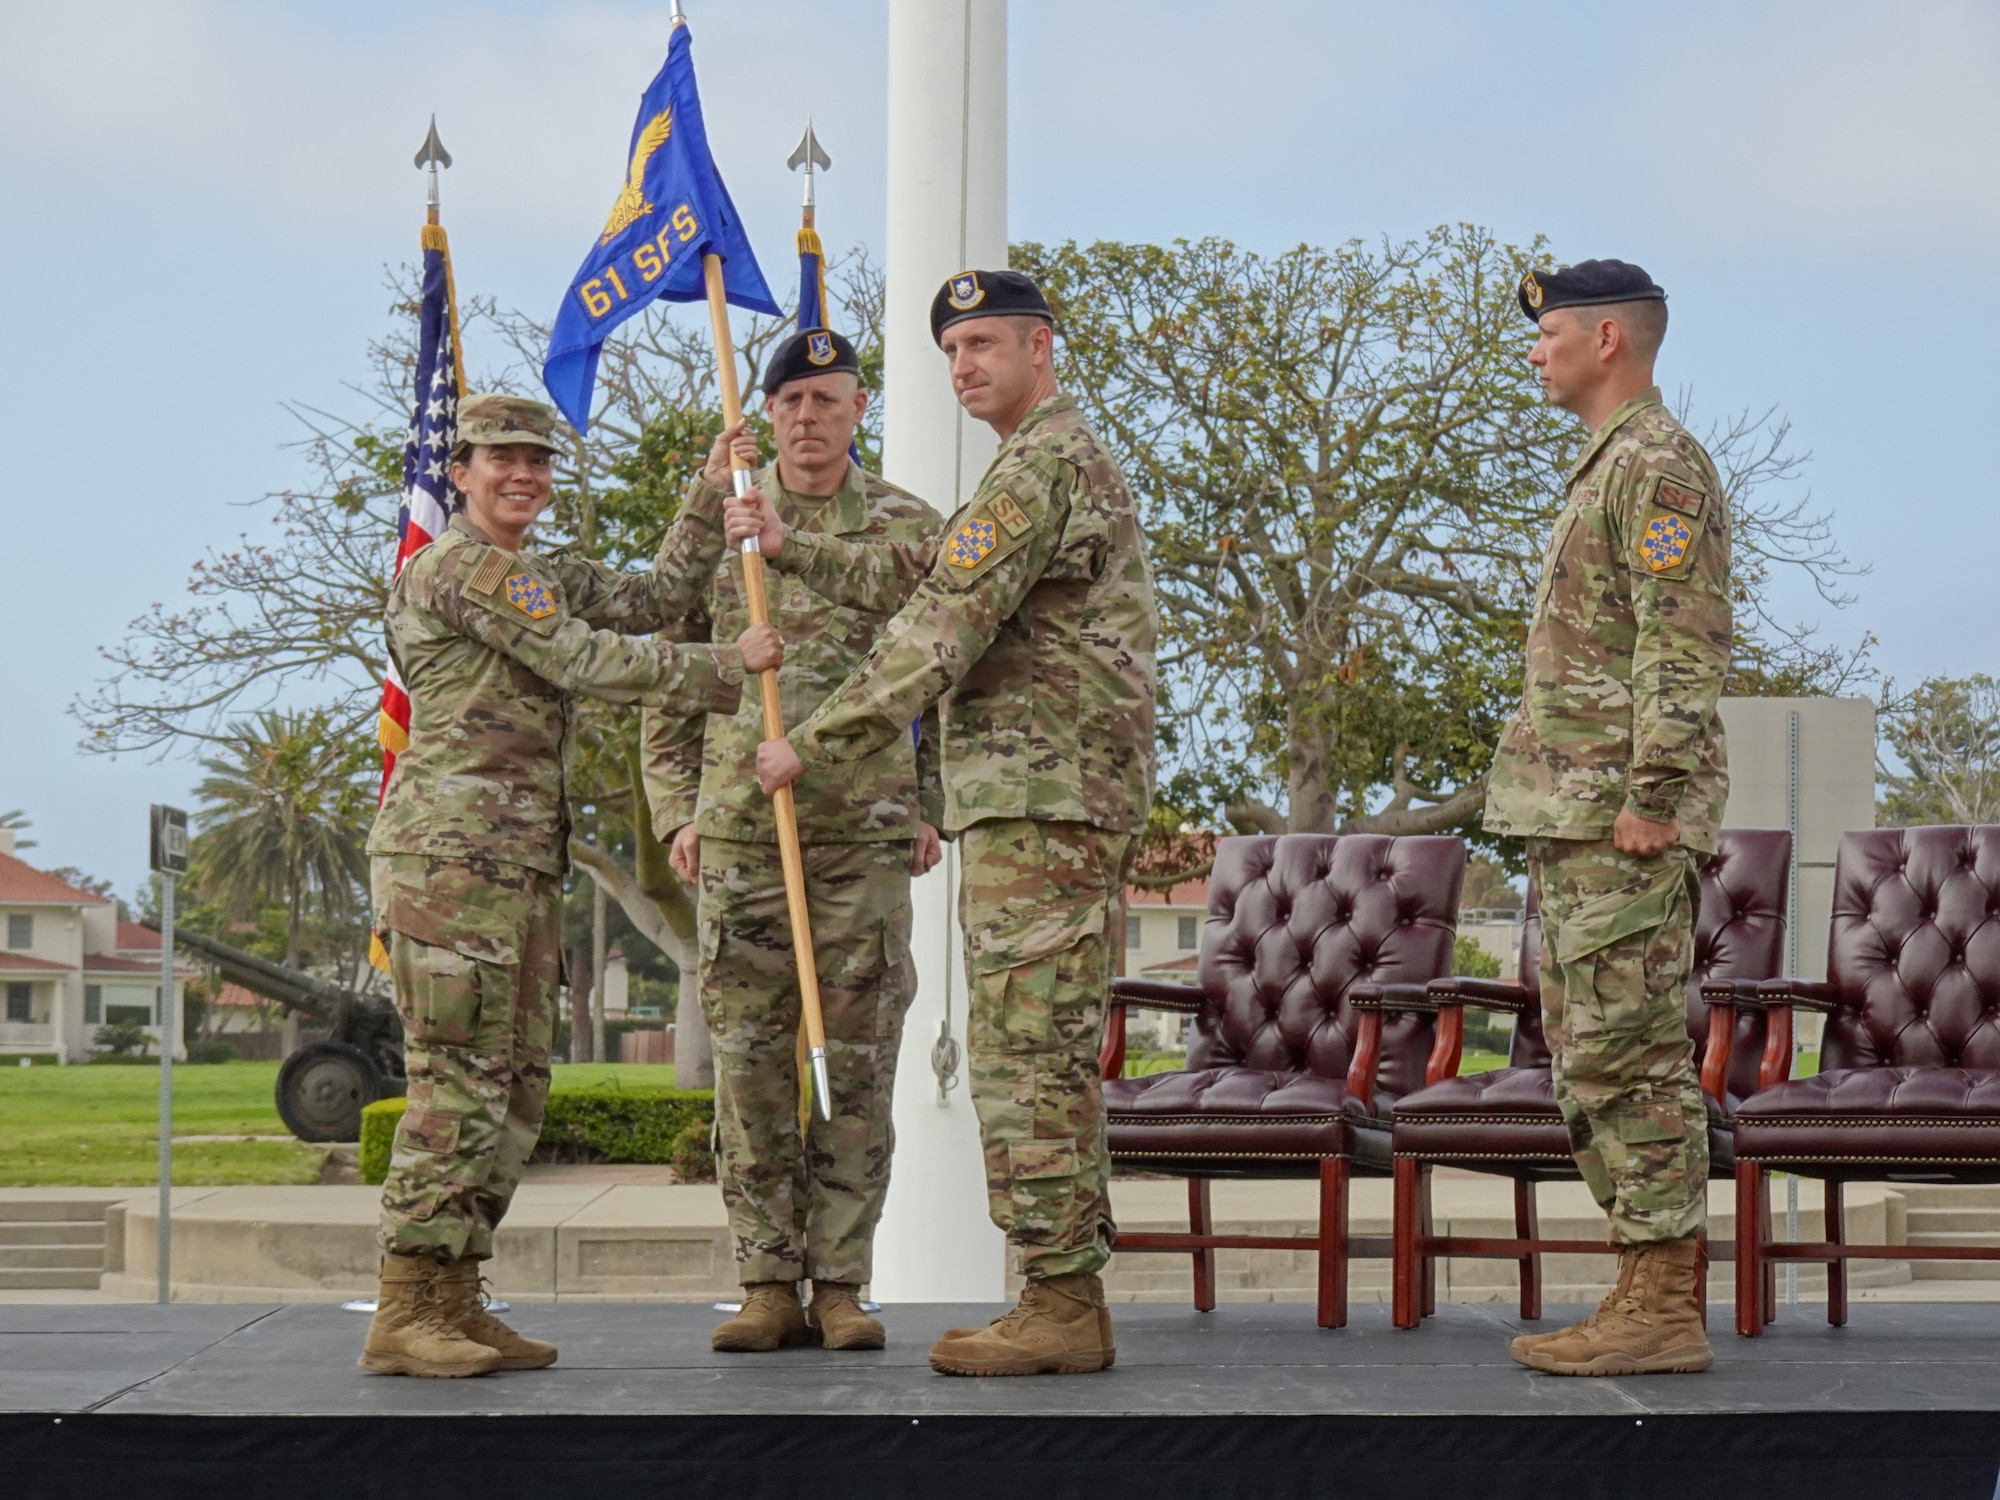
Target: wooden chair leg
(1200, 1222)
(1333, 1176)
(1836, 1270)
(1405, 1225)
(1427, 1272)
(1749, 1250)
(1527, 1226)
(1764, 1228)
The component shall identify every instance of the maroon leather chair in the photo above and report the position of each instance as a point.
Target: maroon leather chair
(1506, 1121)
(1909, 1082)
(1281, 1079)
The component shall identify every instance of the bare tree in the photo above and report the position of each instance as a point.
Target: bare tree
(1943, 752)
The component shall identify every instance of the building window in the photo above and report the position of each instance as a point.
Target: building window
(1131, 932)
(137, 1015)
(20, 930)
(93, 1005)
(20, 1002)
(1190, 934)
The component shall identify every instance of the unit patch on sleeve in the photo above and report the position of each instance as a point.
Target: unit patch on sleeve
(971, 542)
(1665, 542)
(1010, 515)
(1674, 496)
(527, 595)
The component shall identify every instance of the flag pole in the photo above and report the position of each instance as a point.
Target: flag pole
(767, 686)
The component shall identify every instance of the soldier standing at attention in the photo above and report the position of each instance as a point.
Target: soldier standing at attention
(1614, 772)
(1033, 621)
(494, 643)
(801, 1208)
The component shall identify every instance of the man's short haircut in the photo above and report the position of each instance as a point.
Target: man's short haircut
(1644, 322)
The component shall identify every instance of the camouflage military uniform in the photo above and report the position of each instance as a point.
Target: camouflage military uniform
(1627, 648)
(801, 1210)
(469, 849)
(1033, 621)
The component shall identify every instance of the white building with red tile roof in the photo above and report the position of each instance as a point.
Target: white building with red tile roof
(68, 965)
(1162, 941)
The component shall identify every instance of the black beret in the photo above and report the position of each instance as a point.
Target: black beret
(810, 351)
(1585, 284)
(986, 294)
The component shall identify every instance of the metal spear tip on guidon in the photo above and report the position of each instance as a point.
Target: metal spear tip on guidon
(433, 155)
(822, 1090)
(810, 154)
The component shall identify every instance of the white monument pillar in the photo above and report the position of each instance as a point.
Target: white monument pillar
(947, 206)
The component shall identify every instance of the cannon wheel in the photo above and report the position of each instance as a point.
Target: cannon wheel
(322, 1089)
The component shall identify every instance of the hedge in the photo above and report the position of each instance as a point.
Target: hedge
(593, 1122)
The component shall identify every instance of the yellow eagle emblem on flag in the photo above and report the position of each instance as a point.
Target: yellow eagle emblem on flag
(970, 544)
(632, 204)
(527, 595)
(1665, 542)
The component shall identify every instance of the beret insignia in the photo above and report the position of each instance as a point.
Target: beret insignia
(527, 595)
(970, 544)
(819, 347)
(1531, 290)
(1672, 496)
(1665, 542)
(965, 291)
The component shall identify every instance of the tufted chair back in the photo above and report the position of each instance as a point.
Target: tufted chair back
(1294, 920)
(1738, 934)
(1915, 949)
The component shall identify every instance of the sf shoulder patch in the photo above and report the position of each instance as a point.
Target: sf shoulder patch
(527, 594)
(1010, 515)
(1665, 542)
(1671, 495)
(970, 544)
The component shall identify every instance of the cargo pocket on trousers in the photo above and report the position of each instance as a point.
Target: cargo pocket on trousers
(432, 1130)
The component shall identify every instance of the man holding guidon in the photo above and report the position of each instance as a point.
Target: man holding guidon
(801, 1207)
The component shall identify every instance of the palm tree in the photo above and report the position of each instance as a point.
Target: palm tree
(283, 819)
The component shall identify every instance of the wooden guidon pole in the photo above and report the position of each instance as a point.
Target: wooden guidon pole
(774, 719)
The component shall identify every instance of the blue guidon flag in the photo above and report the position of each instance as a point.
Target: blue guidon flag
(672, 210)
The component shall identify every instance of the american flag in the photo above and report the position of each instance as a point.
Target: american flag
(440, 381)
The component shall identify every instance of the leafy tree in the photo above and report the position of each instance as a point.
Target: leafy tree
(16, 819)
(1945, 735)
(1487, 888)
(283, 820)
(1471, 960)
(1347, 477)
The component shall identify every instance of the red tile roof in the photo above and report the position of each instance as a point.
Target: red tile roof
(20, 963)
(23, 885)
(1187, 893)
(1175, 966)
(137, 937)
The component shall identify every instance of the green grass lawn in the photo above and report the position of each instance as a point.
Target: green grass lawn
(97, 1127)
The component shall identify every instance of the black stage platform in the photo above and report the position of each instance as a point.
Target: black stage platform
(114, 1402)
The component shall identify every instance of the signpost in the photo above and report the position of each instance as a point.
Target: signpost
(169, 859)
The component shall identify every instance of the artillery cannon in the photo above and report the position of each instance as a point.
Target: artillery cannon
(323, 1086)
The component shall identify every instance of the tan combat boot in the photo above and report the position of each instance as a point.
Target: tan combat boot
(470, 1317)
(1655, 1328)
(836, 1315)
(1527, 1343)
(770, 1318)
(1096, 1286)
(1059, 1328)
(412, 1332)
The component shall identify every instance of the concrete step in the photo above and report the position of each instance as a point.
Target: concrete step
(47, 1280)
(1946, 1222)
(32, 1210)
(53, 1232)
(1955, 1270)
(51, 1257)
(1948, 1194)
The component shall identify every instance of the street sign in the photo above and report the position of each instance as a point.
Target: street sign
(170, 840)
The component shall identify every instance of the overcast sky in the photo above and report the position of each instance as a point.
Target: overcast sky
(201, 197)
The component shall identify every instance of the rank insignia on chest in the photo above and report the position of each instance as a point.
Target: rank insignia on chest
(970, 543)
(1665, 542)
(527, 595)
